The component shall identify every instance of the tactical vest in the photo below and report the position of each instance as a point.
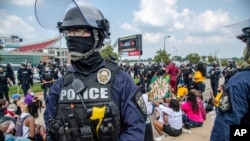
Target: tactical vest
(245, 120)
(47, 76)
(91, 114)
(3, 80)
(24, 76)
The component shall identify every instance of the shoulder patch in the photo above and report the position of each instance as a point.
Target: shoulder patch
(224, 104)
(103, 76)
(140, 102)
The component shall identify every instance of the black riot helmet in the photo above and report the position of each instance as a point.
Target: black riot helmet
(86, 16)
(89, 17)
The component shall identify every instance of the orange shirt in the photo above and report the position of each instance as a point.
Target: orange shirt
(181, 91)
(198, 77)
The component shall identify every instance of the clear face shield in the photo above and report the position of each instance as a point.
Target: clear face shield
(65, 14)
(55, 10)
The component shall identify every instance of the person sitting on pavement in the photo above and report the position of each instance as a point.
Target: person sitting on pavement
(8, 128)
(29, 98)
(170, 120)
(192, 116)
(16, 98)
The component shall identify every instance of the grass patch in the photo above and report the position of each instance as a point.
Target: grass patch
(36, 88)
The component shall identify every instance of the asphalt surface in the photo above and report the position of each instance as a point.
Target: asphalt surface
(198, 134)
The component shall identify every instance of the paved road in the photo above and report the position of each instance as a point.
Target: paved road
(198, 134)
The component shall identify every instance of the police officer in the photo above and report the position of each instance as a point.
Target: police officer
(10, 74)
(4, 80)
(235, 100)
(214, 78)
(229, 70)
(63, 69)
(47, 81)
(23, 76)
(95, 100)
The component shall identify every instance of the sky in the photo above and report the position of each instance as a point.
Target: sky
(194, 26)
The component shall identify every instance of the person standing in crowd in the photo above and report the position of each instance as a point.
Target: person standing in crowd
(63, 69)
(94, 91)
(173, 72)
(4, 81)
(47, 81)
(229, 71)
(135, 69)
(31, 70)
(214, 78)
(235, 100)
(23, 77)
(40, 68)
(199, 78)
(54, 71)
(10, 74)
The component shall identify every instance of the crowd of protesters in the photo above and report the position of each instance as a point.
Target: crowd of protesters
(183, 106)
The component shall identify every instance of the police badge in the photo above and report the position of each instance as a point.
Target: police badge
(103, 76)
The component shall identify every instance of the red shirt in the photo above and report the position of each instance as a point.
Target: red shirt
(172, 71)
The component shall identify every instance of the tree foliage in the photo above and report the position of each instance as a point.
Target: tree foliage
(194, 58)
(108, 51)
(161, 56)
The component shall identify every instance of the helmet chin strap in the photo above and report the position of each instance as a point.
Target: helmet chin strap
(78, 56)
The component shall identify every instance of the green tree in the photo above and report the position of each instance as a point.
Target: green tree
(203, 58)
(224, 62)
(161, 56)
(194, 58)
(108, 51)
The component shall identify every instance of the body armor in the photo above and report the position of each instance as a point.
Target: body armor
(89, 114)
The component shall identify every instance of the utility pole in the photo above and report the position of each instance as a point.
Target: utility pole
(164, 41)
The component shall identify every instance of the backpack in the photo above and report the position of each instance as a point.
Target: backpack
(19, 125)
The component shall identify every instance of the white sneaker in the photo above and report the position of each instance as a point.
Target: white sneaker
(160, 138)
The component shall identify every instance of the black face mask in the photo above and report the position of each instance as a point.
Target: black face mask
(80, 44)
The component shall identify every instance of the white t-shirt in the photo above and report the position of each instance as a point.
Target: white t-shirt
(148, 104)
(174, 118)
(25, 128)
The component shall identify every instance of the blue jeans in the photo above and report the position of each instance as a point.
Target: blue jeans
(190, 122)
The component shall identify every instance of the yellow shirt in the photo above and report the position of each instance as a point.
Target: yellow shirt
(217, 99)
(181, 91)
(198, 77)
